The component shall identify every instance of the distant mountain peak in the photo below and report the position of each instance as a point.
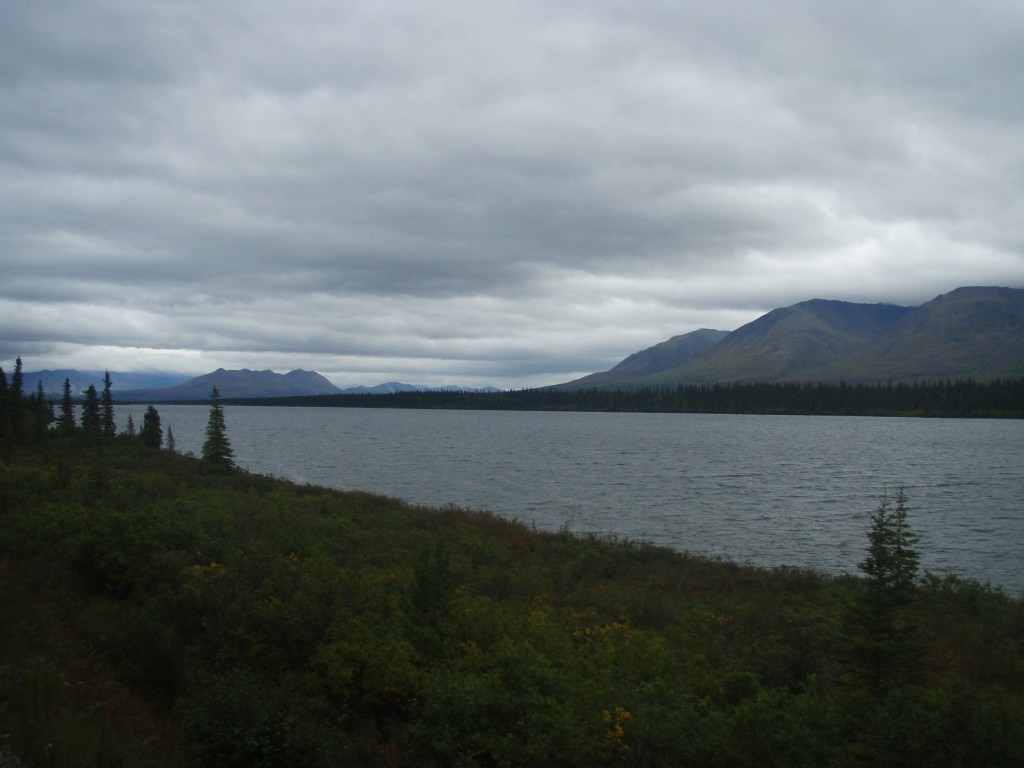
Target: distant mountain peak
(241, 383)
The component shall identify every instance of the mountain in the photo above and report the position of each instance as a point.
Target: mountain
(246, 383)
(790, 342)
(969, 332)
(243, 383)
(53, 381)
(660, 357)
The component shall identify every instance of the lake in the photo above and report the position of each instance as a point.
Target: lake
(767, 490)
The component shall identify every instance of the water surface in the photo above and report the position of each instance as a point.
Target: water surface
(769, 490)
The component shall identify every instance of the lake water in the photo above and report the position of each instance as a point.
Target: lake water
(768, 490)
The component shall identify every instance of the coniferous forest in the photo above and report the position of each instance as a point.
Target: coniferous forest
(169, 610)
(966, 398)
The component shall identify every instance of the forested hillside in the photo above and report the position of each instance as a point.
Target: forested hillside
(175, 611)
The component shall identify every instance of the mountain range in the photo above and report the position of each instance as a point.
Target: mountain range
(53, 381)
(252, 384)
(244, 383)
(975, 332)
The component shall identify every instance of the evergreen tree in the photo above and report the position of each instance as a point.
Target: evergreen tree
(891, 566)
(91, 414)
(217, 448)
(171, 447)
(16, 403)
(5, 424)
(130, 429)
(152, 434)
(107, 401)
(66, 421)
(43, 413)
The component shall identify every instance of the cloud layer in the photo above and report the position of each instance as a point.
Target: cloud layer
(507, 193)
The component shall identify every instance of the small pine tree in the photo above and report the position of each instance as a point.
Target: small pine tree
(16, 403)
(5, 424)
(42, 413)
(91, 415)
(217, 448)
(66, 421)
(891, 566)
(892, 562)
(171, 447)
(130, 428)
(109, 428)
(152, 434)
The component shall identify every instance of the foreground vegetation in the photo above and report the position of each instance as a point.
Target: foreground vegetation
(965, 398)
(165, 610)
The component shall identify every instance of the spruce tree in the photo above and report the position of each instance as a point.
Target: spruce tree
(171, 446)
(886, 639)
(217, 448)
(43, 413)
(109, 428)
(16, 403)
(66, 421)
(130, 428)
(5, 424)
(91, 415)
(152, 434)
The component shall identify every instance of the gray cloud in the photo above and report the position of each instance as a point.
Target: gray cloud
(508, 193)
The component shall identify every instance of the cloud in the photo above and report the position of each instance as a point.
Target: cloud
(522, 191)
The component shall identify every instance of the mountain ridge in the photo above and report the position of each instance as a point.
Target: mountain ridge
(969, 332)
(245, 383)
(238, 384)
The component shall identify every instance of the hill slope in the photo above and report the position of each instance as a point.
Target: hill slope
(969, 332)
(976, 332)
(790, 342)
(176, 616)
(660, 357)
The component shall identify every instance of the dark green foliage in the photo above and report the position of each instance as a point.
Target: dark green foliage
(430, 601)
(16, 403)
(108, 425)
(999, 398)
(91, 424)
(66, 421)
(152, 433)
(886, 637)
(892, 562)
(200, 618)
(217, 448)
(239, 719)
(5, 410)
(42, 414)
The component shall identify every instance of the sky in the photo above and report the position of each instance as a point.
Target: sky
(491, 193)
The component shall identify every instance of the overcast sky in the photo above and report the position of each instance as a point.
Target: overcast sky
(503, 193)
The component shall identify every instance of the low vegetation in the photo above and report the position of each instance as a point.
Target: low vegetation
(165, 610)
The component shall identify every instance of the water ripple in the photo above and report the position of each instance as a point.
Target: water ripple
(766, 490)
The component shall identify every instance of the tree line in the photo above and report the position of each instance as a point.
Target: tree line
(88, 419)
(962, 398)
